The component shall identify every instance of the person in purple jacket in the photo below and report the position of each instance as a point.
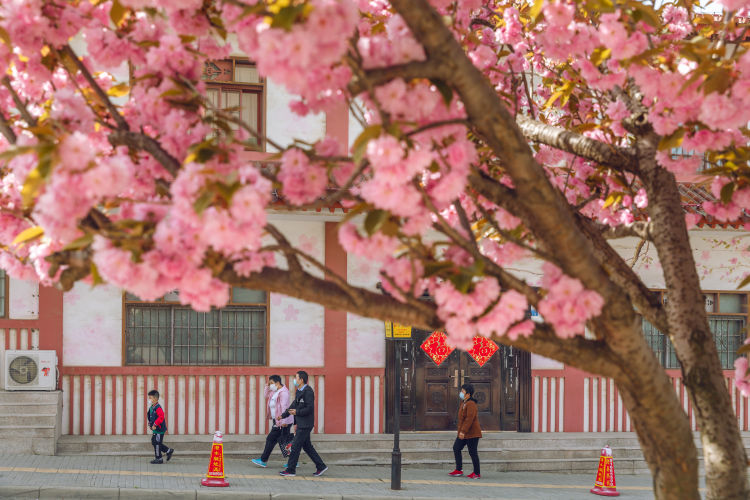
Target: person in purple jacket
(277, 400)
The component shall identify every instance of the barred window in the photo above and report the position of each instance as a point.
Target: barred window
(167, 333)
(3, 294)
(727, 317)
(234, 85)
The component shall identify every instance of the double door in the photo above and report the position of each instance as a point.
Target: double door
(429, 393)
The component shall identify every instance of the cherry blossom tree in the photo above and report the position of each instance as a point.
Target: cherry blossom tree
(492, 131)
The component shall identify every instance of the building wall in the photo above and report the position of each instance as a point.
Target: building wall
(23, 299)
(92, 326)
(365, 345)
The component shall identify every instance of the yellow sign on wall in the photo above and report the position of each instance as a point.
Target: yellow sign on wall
(397, 331)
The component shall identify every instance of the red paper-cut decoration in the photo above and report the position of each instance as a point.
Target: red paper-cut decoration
(436, 347)
(483, 349)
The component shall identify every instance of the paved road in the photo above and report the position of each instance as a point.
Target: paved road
(133, 477)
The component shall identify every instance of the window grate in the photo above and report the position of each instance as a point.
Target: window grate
(163, 334)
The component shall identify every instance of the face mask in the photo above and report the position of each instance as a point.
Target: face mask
(461, 395)
(296, 383)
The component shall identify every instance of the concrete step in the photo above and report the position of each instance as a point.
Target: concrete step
(37, 397)
(27, 408)
(29, 431)
(28, 419)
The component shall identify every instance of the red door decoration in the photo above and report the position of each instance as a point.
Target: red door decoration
(436, 347)
(482, 350)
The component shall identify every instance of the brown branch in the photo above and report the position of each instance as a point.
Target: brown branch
(571, 142)
(640, 229)
(142, 142)
(23, 110)
(113, 111)
(7, 130)
(380, 76)
(580, 352)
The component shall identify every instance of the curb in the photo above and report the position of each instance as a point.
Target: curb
(72, 492)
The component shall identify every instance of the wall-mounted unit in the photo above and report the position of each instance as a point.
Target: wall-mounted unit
(29, 370)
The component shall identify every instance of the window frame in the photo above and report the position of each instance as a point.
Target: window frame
(6, 295)
(255, 88)
(717, 313)
(176, 304)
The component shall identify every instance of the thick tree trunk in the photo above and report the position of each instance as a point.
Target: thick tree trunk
(659, 420)
(724, 454)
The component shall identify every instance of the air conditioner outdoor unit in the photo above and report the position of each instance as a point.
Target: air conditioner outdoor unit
(29, 371)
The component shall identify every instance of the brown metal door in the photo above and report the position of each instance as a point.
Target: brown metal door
(516, 387)
(437, 392)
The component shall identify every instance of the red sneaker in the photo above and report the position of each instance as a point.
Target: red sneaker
(456, 473)
(473, 475)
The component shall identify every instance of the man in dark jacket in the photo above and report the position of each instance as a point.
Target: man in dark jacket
(303, 409)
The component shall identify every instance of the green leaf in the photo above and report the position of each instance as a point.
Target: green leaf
(96, 278)
(28, 234)
(354, 211)
(287, 16)
(744, 349)
(536, 9)
(672, 140)
(445, 90)
(4, 36)
(119, 90)
(433, 268)
(718, 80)
(375, 219)
(203, 201)
(81, 242)
(360, 143)
(600, 55)
(462, 281)
(727, 191)
(117, 13)
(35, 180)
(744, 282)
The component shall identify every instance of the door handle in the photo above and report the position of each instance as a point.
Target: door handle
(462, 377)
(455, 378)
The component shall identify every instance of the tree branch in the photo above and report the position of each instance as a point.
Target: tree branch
(602, 153)
(113, 111)
(142, 142)
(380, 76)
(7, 130)
(641, 229)
(20, 105)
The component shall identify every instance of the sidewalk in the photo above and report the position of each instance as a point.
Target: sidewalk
(133, 477)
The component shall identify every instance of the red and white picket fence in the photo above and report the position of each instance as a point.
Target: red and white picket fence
(569, 400)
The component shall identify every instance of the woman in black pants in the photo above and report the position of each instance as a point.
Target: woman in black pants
(469, 432)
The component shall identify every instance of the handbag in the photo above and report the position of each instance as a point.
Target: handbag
(285, 441)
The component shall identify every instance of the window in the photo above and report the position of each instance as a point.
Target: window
(167, 333)
(3, 294)
(727, 317)
(234, 85)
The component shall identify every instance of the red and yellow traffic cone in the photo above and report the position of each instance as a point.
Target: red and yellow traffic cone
(215, 474)
(604, 484)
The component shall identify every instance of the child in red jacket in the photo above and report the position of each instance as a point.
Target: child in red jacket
(157, 423)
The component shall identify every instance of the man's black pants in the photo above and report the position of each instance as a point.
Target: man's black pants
(273, 437)
(458, 445)
(302, 442)
(158, 441)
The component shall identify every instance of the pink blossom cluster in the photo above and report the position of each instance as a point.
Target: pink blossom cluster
(306, 57)
(393, 169)
(377, 247)
(727, 212)
(466, 314)
(567, 305)
(304, 181)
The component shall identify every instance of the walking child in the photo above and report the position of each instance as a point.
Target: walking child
(157, 423)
